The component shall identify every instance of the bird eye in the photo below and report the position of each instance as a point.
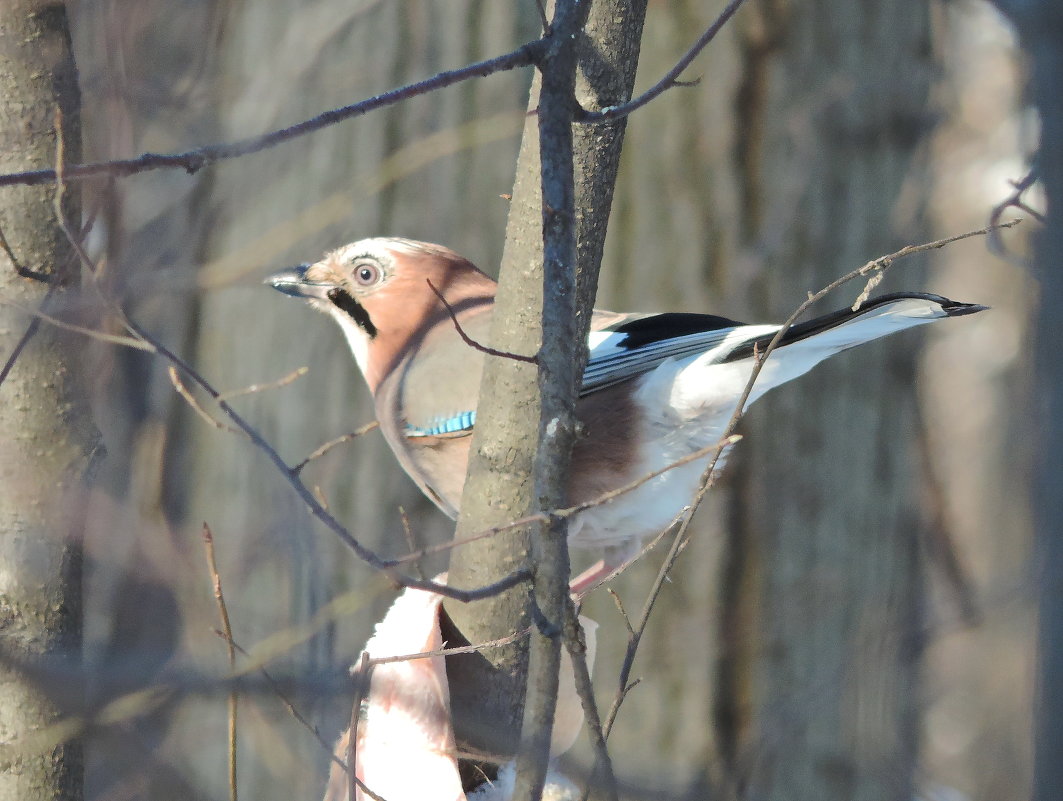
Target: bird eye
(366, 273)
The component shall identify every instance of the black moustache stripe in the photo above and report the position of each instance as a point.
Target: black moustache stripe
(354, 310)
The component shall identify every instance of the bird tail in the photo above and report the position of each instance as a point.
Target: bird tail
(846, 328)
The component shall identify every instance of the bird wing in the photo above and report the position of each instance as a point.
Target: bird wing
(625, 348)
(639, 343)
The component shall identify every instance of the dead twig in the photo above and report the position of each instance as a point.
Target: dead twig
(181, 367)
(192, 161)
(102, 336)
(227, 633)
(1015, 201)
(190, 399)
(682, 538)
(576, 645)
(669, 81)
(472, 343)
(295, 374)
(332, 443)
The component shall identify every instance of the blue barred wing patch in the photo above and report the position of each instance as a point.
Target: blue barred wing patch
(456, 424)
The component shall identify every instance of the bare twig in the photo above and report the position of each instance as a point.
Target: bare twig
(27, 335)
(295, 374)
(190, 399)
(575, 643)
(411, 543)
(193, 160)
(385, 566)
(605, 497)
(92, 333)
(332, 443)
(472, 343)
(288, 704)
(669, 81)
(1014, 200)
(682, 538)
(541, 7)
(227, 632)
(363, 677)
(20, 268)
(620, 608)
(875, 267)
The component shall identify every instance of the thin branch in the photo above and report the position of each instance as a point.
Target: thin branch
(275, 686)
(332, 443)
(1014, 200)
(386, 566)
(540, 5)
(193, 160)
(101, 336)
(190, 399)
(670, 80)
(559, 374)
(411, 543)
(27, 335)
(21, 269)
(876, 266)
(295, 374)
(605, 497)
(472, 343)
(575, 643)
(620, 608)
(227, 632)
(363, 677)
(682, 538)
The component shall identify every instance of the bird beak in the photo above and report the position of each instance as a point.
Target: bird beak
(293, 282)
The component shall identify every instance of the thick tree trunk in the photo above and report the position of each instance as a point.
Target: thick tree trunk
(826, 520)
(45, 431)
(499, 487)
(1040, 27)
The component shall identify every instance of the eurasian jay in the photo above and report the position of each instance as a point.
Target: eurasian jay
(657, 387)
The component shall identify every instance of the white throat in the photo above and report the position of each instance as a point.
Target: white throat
(357, 339)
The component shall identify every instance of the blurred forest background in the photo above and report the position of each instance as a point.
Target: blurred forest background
(821, 135)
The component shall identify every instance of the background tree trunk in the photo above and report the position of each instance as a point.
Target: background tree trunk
(1040, 28)
(46, 434)
(827, 528)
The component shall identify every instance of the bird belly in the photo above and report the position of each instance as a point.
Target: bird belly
(671, 421)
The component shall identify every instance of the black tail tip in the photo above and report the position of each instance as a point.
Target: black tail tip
(956, 309)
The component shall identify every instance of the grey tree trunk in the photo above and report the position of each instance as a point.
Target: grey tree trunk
(826, 534)
(499, 487)
(46, 434)
(1040, 27)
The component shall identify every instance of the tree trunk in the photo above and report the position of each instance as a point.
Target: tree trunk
(498, 489)
(1040, 27)
(826, 535)
(45, 428)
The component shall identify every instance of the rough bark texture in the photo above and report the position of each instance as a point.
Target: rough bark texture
(825, 519)
(45, 431)
(1040, 27)
(498, 488)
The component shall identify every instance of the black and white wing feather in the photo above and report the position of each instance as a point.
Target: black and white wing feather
(636, 346)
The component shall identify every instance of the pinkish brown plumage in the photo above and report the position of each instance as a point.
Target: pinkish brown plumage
(656, 388)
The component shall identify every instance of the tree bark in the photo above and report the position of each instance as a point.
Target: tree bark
(500, 485)
(825, 523)
(1040, 28)
(45, 428)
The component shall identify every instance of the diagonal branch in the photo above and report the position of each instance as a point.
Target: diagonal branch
(193, 160)
(671, 78)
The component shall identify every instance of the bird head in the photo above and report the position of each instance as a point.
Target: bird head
(380, 292)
